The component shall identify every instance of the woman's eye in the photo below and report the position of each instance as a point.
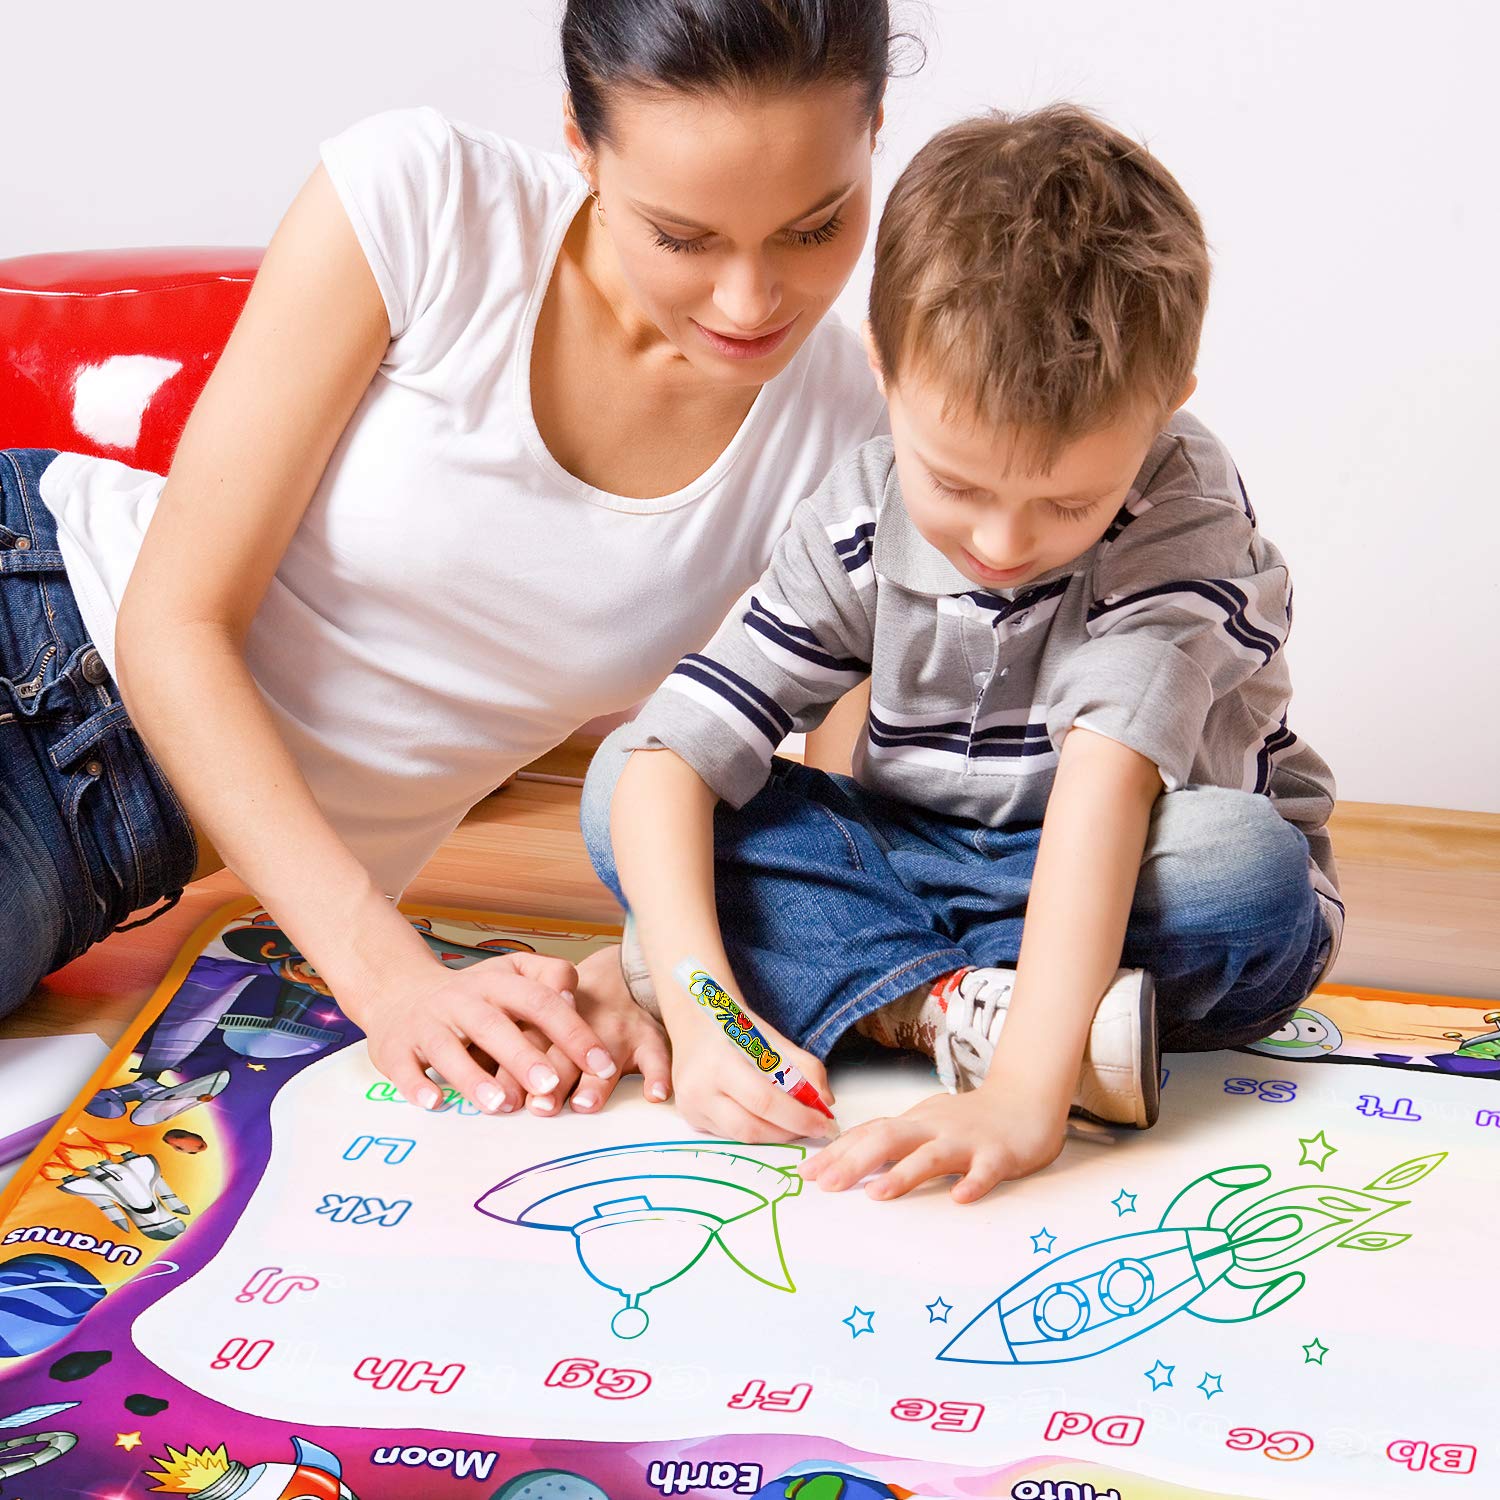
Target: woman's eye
(819, 236)
(678, 247)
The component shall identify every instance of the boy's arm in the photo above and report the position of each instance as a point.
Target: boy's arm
(661, 825)
(1093, 837)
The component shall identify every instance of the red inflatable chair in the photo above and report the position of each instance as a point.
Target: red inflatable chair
(105, 351)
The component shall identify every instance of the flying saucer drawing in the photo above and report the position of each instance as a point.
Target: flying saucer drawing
(643, 1215)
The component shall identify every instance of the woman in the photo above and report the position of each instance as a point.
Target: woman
(497, 438)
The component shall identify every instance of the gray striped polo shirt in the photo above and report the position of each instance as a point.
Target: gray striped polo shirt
(1166, 636)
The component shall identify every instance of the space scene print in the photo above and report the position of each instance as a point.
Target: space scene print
(241, 1265)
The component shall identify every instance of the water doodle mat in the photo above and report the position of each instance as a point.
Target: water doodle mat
(242, 1267)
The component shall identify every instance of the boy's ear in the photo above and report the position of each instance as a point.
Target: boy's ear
(1187, 391)
(873, 355)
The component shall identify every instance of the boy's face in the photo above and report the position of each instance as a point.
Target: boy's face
(968, 493)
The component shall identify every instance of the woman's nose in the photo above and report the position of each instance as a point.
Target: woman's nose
(747, 295)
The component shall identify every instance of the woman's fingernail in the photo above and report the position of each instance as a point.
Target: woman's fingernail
(584, 1101)
(490, 1097)
(657, 1091)
(507, 1106)
(567, 995)
(427, 1098)
(544, 1105)
(542, 1079)
(601, 1064)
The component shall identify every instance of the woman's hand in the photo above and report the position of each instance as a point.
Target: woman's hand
(431, 1019)
(720, 1092)
(981, 1138)
(635, 1040)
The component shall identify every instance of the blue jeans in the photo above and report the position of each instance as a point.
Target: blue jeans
(834, 902)
(89, 829)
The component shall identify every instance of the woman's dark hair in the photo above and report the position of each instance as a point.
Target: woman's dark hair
(705, 46)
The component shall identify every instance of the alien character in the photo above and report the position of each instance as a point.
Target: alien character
(1309, 1035)
(1475, 1054)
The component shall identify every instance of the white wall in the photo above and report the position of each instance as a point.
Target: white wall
(1342, 154)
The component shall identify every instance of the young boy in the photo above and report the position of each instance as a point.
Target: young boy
(1072, 630)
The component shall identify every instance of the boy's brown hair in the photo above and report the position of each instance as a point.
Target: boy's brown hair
(1044, 269)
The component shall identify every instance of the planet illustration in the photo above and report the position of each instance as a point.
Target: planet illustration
(549, 1484)
(643, 1215)
(42, 1299)
(827, 1481)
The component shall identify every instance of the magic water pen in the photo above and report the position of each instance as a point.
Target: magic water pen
(741, 1030)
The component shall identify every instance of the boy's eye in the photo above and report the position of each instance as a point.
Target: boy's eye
(951, 492)
(1072, 512)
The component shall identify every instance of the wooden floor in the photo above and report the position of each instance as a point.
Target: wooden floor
(1422, 887)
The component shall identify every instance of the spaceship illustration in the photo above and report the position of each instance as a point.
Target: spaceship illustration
(211, 1474)
(1216, 1254)
(126, 1186)
(1308, 1035)
(643, 1215)
(34, 1450)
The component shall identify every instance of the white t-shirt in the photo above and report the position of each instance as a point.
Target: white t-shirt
(454, 603)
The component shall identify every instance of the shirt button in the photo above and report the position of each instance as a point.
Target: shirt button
(94, 768)
(980, 678)
(23, 543)
(94, 670)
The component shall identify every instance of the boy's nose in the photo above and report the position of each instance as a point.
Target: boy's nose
(1000, 542)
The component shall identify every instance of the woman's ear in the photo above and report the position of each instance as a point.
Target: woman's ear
(578, 148)
(873, 355)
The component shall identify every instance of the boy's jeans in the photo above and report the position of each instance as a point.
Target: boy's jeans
(834, 902)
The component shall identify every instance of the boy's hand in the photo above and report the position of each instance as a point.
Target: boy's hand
(720, 1092)
(635, 1040)
(431, 1018)
(982, 1138)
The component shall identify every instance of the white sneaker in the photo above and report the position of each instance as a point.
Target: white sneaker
(1119, 1082)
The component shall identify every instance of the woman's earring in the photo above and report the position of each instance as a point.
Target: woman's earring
(598, 206)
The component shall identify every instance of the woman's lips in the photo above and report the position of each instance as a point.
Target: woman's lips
(735, 348)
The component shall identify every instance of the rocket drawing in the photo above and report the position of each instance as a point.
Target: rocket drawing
(1217, 1254)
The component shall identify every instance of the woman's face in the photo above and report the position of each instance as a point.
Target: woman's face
(736, 220)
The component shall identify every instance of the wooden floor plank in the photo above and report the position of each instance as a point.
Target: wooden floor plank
(1423, 893)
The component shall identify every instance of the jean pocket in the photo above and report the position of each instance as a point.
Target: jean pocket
(85, 796)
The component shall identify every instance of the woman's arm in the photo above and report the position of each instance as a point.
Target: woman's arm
(307, 345)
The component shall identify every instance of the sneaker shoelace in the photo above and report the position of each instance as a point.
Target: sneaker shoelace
(965, 1045)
